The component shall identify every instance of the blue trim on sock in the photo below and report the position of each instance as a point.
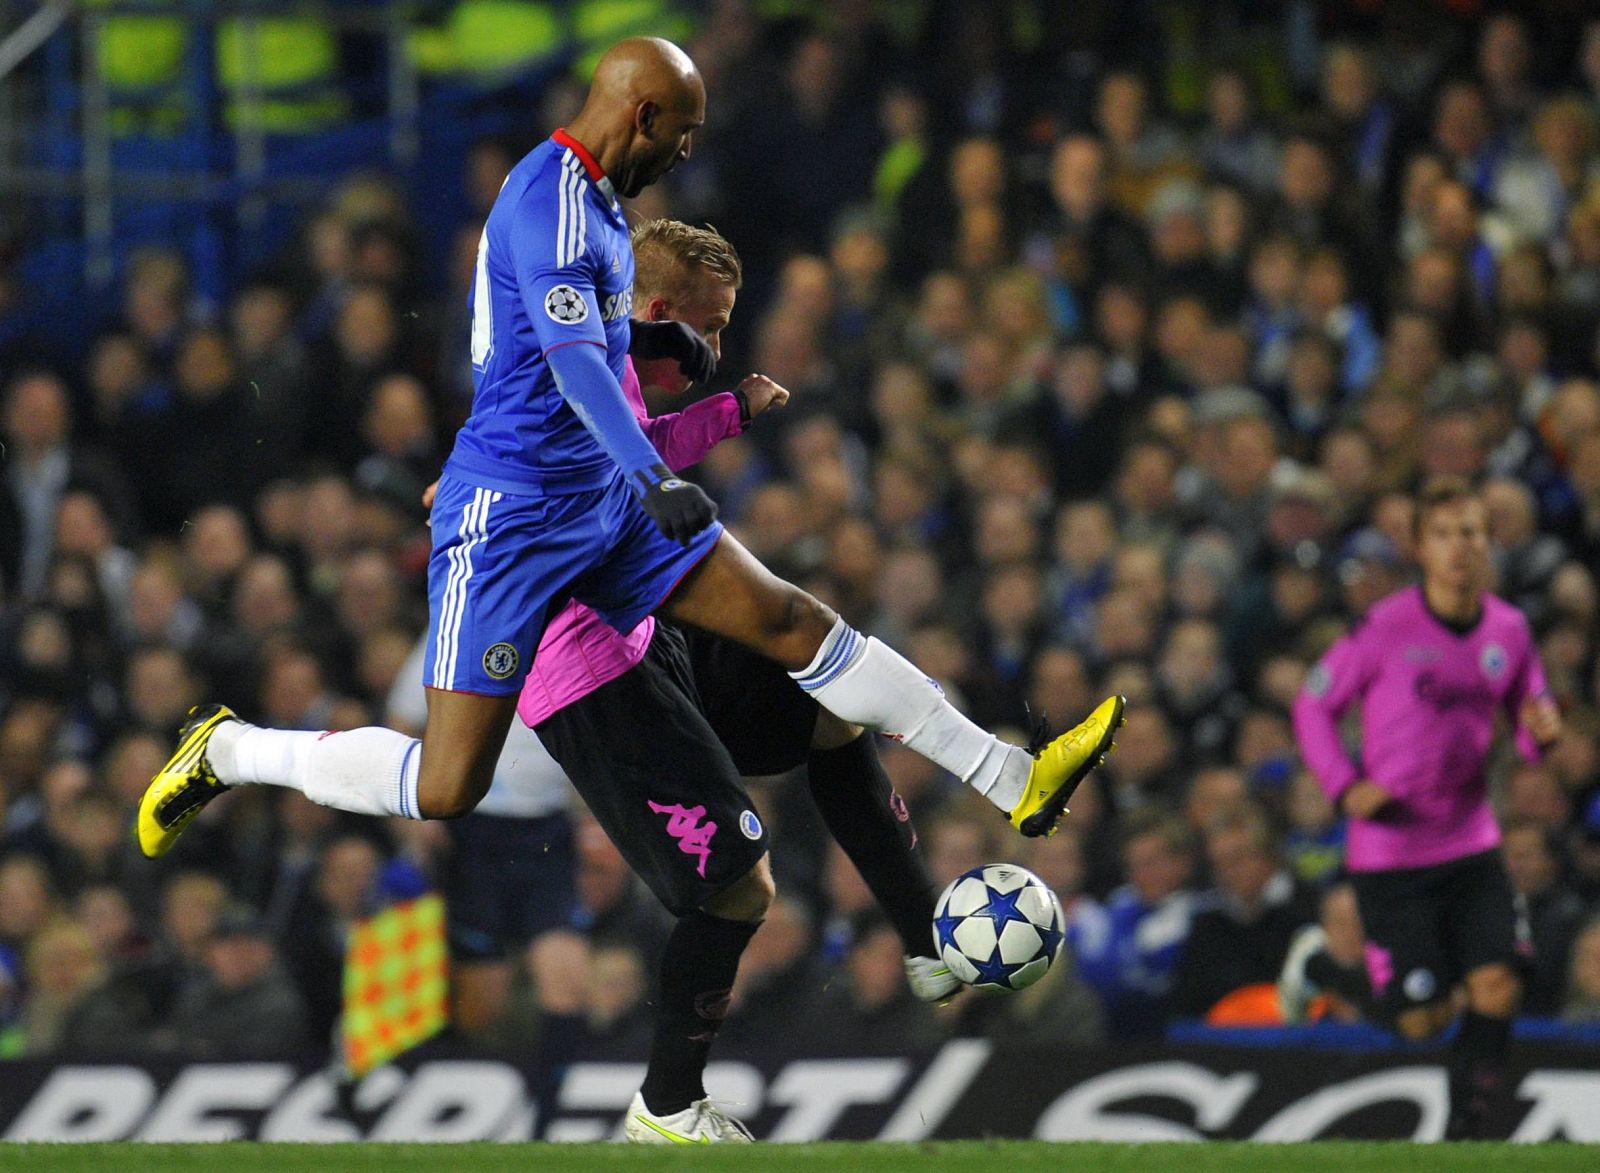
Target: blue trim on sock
(837, 661)
(407, 809)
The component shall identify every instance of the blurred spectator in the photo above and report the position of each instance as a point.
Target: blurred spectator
(1130, 958)
(243, 1004)
(1325, 972)
(42, 465)
(1581, 1002)
(1241, 932)
(1552, 912)
(868, 1009)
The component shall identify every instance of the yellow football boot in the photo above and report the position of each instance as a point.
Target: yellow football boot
(183, 786)
(1059, 766)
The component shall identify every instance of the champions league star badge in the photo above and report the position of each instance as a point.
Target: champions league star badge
(565, 304)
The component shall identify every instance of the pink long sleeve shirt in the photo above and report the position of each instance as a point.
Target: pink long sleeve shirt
(1429, 698)
(580, 651)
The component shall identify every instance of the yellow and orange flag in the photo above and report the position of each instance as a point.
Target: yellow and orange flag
(396, 983)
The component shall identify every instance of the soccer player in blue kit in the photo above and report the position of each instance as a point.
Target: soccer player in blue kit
(553, 492)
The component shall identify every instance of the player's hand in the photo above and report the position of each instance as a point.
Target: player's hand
(1541, 718)
(1365, 800)
(678, 508)
(674, 340)
(758, 394)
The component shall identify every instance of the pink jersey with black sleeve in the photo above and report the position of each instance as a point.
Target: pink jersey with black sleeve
(1429, 699)
(580, 651)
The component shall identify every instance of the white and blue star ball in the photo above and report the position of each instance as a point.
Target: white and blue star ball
(998, 927)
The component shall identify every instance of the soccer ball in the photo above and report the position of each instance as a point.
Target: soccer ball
(998, 927)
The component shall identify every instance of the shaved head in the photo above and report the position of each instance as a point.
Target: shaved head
(643, 107)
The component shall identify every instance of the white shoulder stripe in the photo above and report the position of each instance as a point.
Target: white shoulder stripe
(576, 213)
(561, 218)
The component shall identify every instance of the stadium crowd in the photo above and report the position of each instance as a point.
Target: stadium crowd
(1112, 370)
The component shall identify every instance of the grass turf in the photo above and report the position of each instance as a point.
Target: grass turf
(967, 1156)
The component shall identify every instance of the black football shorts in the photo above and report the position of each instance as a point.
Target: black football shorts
(764, 718)
(1428, 927)
(650, 767)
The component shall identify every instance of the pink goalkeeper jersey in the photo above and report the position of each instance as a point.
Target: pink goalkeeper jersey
(1429, 698)
(580, 651)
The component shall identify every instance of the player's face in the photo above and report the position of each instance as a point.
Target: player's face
(1453, 546)
(707, 310)
(666, 136)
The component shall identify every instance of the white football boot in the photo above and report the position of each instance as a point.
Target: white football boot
(702, 1122)
(931, 979)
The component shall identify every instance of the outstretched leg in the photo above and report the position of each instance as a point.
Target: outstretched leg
(865, 682)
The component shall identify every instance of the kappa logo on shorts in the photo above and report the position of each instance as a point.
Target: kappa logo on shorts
(684, 825)
(749, 825)
(501, 661)
(565, 304)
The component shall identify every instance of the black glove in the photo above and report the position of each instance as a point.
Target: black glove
(680, 509)
(676, 341)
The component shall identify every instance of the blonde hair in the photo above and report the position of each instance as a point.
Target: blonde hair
(671, 258)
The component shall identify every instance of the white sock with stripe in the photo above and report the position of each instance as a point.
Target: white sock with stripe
(369, 771)
(868, 683)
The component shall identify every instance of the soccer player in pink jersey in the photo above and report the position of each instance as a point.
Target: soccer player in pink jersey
(1432, 668)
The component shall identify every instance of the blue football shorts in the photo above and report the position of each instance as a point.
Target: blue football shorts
(503, 564)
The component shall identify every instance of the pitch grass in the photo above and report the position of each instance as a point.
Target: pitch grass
(965, 1156)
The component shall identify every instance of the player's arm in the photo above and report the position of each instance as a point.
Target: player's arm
(1530, 705)
(684, 437)
(1333, 685)
(558, 292)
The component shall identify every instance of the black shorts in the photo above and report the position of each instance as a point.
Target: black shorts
(507, 880)
(1427, 928)
(764, 718)
(649, 765)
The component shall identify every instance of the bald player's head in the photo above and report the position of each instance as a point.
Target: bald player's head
(644, 106)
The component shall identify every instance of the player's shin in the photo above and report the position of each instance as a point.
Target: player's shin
(1477, 1073)
(697, 971)
(868, 683)
(870, 821)
(369, 771)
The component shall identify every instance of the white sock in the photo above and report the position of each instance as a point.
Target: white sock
(369, 771)
(868, 683)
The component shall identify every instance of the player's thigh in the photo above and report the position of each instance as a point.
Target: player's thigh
(766, 720)
(732, 595)
(658, 781)
(640, 566)
(1407, 956)
(500, 564)
(1481, 920)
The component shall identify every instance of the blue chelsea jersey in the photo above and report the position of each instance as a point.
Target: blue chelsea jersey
(555, 268)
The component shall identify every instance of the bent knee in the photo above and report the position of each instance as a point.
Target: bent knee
(450, 797)
(747, 898)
